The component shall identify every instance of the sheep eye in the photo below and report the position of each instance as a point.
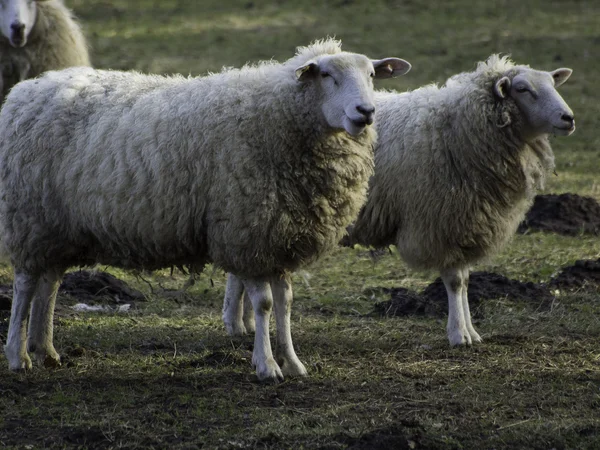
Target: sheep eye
(521, 88)
(325, 74)
(372, 74)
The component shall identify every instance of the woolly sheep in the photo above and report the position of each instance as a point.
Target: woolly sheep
(258, 170)
(456, 169)
(37, 36)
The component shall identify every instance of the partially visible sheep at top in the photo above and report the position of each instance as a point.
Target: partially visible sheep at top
(456, 169)
(36, 36)
(258, 170)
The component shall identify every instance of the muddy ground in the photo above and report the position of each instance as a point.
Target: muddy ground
(583, 276)
(566, 214)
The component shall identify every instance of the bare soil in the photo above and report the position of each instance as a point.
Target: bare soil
(91, 286)
(566, 214)
(584, 275)
(482, 285)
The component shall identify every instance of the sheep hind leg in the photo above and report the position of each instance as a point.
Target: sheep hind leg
(457, 331)
(24, 286)
(41, 322)
(284, 353)
(233, 306)
(262, 357)
(466, 310)
(248, 315)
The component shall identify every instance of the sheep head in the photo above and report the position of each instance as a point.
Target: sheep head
(17, 18)
(345, 84)
(542, 108)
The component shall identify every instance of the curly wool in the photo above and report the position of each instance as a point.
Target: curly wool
(143, 171)
(55, 42)
(453, 179)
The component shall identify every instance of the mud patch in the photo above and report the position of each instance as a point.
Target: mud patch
(433, 300)
(584, 275)
(393, 438)
(566, 214)
(88, 286)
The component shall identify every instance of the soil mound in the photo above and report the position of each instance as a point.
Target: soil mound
(482, 285)
(583, 275)
(566, 214)
(88, 286)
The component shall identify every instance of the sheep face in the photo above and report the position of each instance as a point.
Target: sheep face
(534, 92)
(345, 83)
(17, 18)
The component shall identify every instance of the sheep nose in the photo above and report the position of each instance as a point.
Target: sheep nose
(568, 118)
(368, 112)
(17, 27)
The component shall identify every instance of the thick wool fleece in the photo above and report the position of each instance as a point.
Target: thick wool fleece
(452, 177)
(143, 171)
(55, 42)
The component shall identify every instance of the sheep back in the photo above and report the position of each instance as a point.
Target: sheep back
(145, 171)
(451, 182)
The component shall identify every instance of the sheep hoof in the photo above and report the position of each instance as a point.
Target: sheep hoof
(475, 336)
(235, 329)
(23, 365)
(48, 358)
(52, 362)
(459, 338)
(269, 372)
(295, 369)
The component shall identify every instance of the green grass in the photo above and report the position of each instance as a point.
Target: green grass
(165, 374)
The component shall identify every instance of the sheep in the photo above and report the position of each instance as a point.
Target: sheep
(257, 170)
(456, 169)
(37, 36)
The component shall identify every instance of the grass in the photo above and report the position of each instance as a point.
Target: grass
(165, 374)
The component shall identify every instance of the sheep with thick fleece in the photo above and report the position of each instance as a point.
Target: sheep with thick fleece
(456, 169)
(258, 170)
(37, 36)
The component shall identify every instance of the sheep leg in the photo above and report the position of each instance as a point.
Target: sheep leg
(262, 357)
(457, 328)
(466, 310)
(233, 306)
(41, 322)
(248, 315)
(24, 286)
(284, 352)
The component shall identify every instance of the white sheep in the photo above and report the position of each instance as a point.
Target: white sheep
(258, 170)
(456, 169)
(37, 36)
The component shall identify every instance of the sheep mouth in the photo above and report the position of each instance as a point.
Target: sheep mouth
(17, 40)
(565, 131)
(360, 123)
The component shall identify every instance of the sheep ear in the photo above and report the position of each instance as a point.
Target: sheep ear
(390, 67)
(303, 73)
(560, 76)
(502, 87)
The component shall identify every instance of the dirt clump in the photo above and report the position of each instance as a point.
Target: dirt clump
(583, 275)
(88, 286)
(566, 214)
(482, 285)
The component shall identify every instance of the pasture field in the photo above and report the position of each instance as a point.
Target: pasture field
(166, 375)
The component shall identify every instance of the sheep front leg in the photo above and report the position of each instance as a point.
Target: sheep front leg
(262, 357)
(41, 323)
(454, 282)
(24, 286)
(285, 354)
(466, 310)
